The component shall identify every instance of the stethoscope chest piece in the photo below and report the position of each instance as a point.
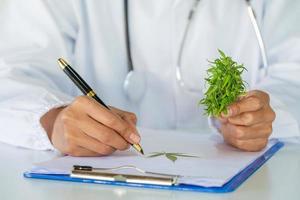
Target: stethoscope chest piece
(135, 85)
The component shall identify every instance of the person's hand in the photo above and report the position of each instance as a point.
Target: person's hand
(248, 122)
(86, 128)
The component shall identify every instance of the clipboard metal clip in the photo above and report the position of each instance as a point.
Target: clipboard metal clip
(105, 174)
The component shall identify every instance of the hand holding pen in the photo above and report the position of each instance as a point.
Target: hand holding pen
(88, 127)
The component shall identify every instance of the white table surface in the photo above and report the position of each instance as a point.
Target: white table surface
(279, 178)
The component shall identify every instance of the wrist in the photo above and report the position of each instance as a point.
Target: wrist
(48, 119)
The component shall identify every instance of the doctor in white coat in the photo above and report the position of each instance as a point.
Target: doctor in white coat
(41, 109)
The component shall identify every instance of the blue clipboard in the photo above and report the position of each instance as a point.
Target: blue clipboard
(230, 186)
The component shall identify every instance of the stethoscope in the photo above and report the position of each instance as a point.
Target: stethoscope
(135, 83)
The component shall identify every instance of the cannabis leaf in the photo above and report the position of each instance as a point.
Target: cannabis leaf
(155, 154)
(225, 85)
(171, 156)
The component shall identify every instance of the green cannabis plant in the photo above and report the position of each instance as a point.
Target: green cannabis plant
(224, 83)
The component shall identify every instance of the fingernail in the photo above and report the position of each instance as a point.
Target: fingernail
(222, 119)
(135, 138)
(228, 114)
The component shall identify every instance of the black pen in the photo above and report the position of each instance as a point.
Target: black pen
(86, 89)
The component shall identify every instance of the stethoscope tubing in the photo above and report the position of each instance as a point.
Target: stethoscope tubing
(139, 79)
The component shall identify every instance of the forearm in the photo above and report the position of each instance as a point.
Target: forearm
(282, 41)
(21, 110)
(30, 81)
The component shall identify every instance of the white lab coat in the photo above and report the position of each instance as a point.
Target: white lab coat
(90, 34)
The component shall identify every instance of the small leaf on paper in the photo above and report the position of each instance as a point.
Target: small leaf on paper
(185, 155)
(171, 156)
(155, 154)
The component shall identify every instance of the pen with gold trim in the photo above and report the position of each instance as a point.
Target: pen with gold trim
(86, 89)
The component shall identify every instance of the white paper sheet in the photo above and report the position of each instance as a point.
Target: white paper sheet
(216, 165)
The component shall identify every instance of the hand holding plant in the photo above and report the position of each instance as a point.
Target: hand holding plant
(245, 123)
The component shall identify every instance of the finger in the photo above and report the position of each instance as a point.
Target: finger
(246, 145)
(243, 96)
(127, 116)
(82, 152)
(92, 144)
(251, 145)
(223, 119)
(260, 94)
(103, 134)
(252, 118)
(252, 103)
(109, 119)
(245, 133)
(71, 146)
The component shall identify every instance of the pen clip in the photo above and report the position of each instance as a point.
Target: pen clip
(104, 175)
(89, 168)
(82, 167)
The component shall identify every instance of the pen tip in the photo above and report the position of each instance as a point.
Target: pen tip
(138, 148)
(62, 63)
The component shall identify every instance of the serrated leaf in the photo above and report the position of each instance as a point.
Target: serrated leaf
(155, 154)
(171, 157)
(186, 155)
(221, 53)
